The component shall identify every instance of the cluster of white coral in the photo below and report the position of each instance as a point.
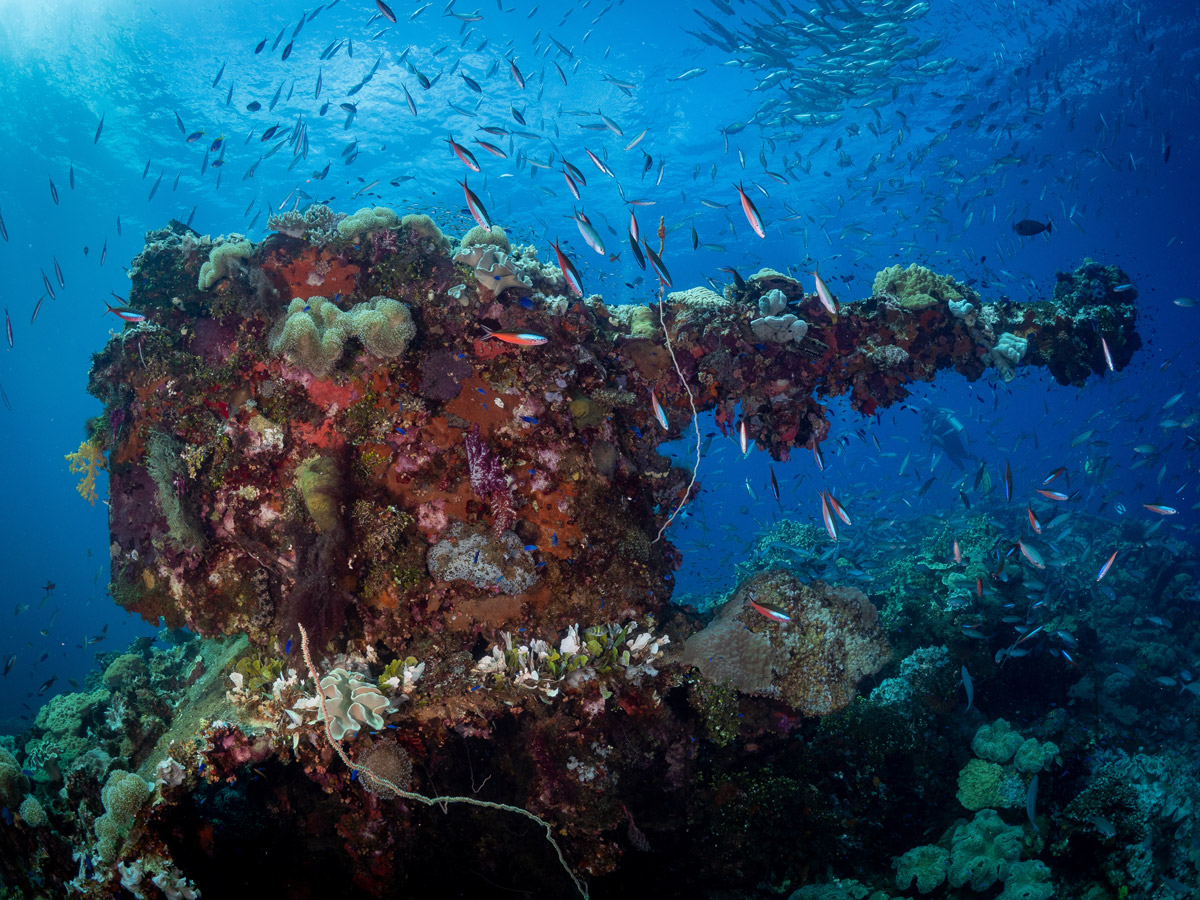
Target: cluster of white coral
(599, 650)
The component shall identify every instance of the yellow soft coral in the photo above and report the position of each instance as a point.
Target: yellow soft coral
(88, 459)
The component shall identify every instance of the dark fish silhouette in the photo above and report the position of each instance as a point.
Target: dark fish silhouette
(1030, 227)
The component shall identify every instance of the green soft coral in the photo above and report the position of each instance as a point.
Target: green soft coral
(983, 851)
(984, 785)
(996, 742)
(366, 220)
(917, 287)
(313, 333)
(928, 865)
(217, 266)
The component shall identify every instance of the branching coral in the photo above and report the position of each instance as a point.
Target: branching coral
(88, 460)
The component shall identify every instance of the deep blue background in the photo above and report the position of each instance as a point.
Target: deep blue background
(1086, 92)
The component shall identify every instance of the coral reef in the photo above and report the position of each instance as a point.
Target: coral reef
(813, 662)
(467, 529)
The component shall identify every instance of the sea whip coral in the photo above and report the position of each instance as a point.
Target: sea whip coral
(489, 481)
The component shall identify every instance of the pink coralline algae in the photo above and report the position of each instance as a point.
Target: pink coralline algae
(489, 481)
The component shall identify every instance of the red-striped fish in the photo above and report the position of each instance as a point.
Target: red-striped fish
(1053, 475)
(658, 411)
(827, 517)
(1033, 520)
(520, 338)
(475, 205)
(1053, 495)
(837, 508)
(659, 269)
(1008, 482)
(1108, 565)
(751, 212)
(570, 273)
(772, 612)
(1153, 507)
(743, 440)
(467, 157)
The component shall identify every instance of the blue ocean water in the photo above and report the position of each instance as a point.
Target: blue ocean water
(872, 165)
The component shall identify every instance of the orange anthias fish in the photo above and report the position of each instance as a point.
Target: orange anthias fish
(743, 440)
(770, 611)
(521, 339)
(958, 557)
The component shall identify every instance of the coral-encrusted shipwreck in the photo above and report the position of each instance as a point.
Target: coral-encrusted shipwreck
(350, 453)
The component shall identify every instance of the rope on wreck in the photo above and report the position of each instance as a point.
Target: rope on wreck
(421, 798)
(695, 419)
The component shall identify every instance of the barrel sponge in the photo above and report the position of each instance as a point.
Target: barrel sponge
(928, 865)
(480, 236)
(984, 785)
(217, 266)
(996, 742)
(367, 220)
(983, 851)
(123, 795)
(313, 332)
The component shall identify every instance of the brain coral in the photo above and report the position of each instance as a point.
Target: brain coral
(814, 662)
(314, 332)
